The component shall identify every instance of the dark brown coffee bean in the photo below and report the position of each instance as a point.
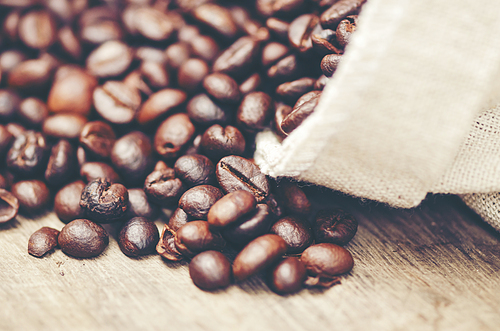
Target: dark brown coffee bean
(90, 171)
(218, 141)
(216, 17)
(33, 74)
(345, 29)
(178, 219)
(9, 206)
(293, 198)
(166, 245)
(9, 104)
(104, 201)
(132, 157)
(255, 111)
(338, 11)
(271, 7)
(330, 63)
(295, 232)
(159, 104)
(210, 270)
(32, 112)
(71, 91)
(273, 52)
(138, 237)
(9, 59)
(67, 202)
(37, 29)
(116, 102)
(239, 57)
(286, 69)
(6, 139)
(205, 47)
(154, 74)
(42, 241)
(152, 23)
(62, 166)
(163, 188)
(204, 111)
(97, 138)
(110, 59)
(325, 42)
(321, 83)
(11, 24)
(172, 135)
(257, 255)
(251, 84)
(282, 111)
(237, 173)
(191, 74)
(293, 90)
(69, 42)
(64, 125)
(222, 87)
(231, 208)
(278, 27)
(139, 205)
(28, 154)
(303, 108)
(195, 237)
(300, 31)
(335, 226)
(177, 53)
(288, 276)
(197, 201)
(83, 238)
(195, 170)
(33, 195)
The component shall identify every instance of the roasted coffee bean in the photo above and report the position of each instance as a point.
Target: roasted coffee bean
(138, 237)
(321, 83)
(191, 74)
(330, 63)
(159, 104)
(6, 139)
(172, 135)
(345, 29)
(9, 206)
(237, 173)
(110, 59)
(286, 69)
(97, 138)
(9, 59)
(302, 109)
(178, 219)
(4, 181)
(69, 42)
(294, 89)
(152, 23)
(160, 165)
(134, 80)
(42, 241)
(222, 87)
(33, 195)
(150, 54)
(282, 111)
(15, 129)
(67, 202)
(64, 125)
(195, 237)
(251, 84)
(71, 91)
(272, 53)
(100, 31)
(139, 205)
(257, 255)
(62, 165)
(324, 42)
(334, 226)
(288, 276)
(278, 27)
(218, 141)
(204, 111)
(293, 198)
(252, 225)
(83, 238)
(216, 17)
(210, 270)
(255, 111)
(195, 170)
(295, 232)
(154, 74)
(205, 47)
(239, 57)
(104, 201)
(132, 157)
(166, 245)
(242, 19)
(11, 23)
(197, 201)
(116, 102)
(37, 29)
(90, 171)
(9, 104)
(32, 112)
(338, 11)
(32, 75)
(300, 31)
(28, 154)
(163, 188)
(176, 54)
(230, 208)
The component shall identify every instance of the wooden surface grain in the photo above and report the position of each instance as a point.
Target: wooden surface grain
(436, 267)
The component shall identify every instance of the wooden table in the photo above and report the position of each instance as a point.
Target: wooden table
(435, 267)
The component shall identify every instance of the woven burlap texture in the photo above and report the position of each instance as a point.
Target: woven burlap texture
(410, 110)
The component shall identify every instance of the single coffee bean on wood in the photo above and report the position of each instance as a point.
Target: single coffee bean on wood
(42, 241)
(163, 188)
(28, 154)
(62, 165)
(67, 202)
(9, 206)
(334, 226)
(104, 201)
(230, 208)
(288, 276)
(33, 195)
(296, 233)
(83, 238)
(138, 237)
(210, 270)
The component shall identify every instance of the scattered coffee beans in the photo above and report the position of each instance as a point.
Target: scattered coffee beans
(83, 238)
(288, 276)
(42, 241)
(139, 236)
(210, 270)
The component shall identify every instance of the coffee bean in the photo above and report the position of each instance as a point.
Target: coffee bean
(150, 54)
(159, 104)
(302, 109)
(178, 219)
(132, 157)
(295, 232)
(325, 42)
(191, 74)
(293, 198)
(134, 80)
(163, 188)
(104, 201)
(100, 31)
(177, 53)
(205, 47)
(9, 206)
(257, 255)
(230, 208)
(9, 59)
(42, 241)
(28, 154)
(195, 237)
(166, 245)
(67, 202)
(64, 125)
(197, 201)
(238, 58)
(273, 52)
(33, 195)
(236, 173)
(32, 75)
(152, 23)
(210, 270)
(222, 87)
(288, 276)
(195, 170)
(161, 165)
(278, 27)
(97, 138)
(241, 17)
(69, 42)
(285, 69)
(11, 24)
(218, 141)
(6, 139)
(15, 129)
(110, 59)
(282, 111)
(217, 18)
(335, 226)
(138, 237)
(294, 89)
(255, 111)
(338, 11)
(116, 102)
(154, 74)
(139, 205)
(251, 84)
(83, 238)
(62, 165)
(204, 111)
(300, 31)
(172, 135)
(321, 83)
(345, 29)
(32, 112)
(9, 104)
(330, 63)
(37, 29)
(90, 171)
(283, 7)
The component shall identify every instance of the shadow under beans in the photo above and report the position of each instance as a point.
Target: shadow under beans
(175, 264)
(12, 224)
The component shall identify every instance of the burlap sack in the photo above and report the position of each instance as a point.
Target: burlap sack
(410, 110)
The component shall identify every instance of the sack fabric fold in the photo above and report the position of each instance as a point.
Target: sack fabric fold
(411, 109)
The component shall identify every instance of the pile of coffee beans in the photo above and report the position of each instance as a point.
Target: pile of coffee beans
(117, 110)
